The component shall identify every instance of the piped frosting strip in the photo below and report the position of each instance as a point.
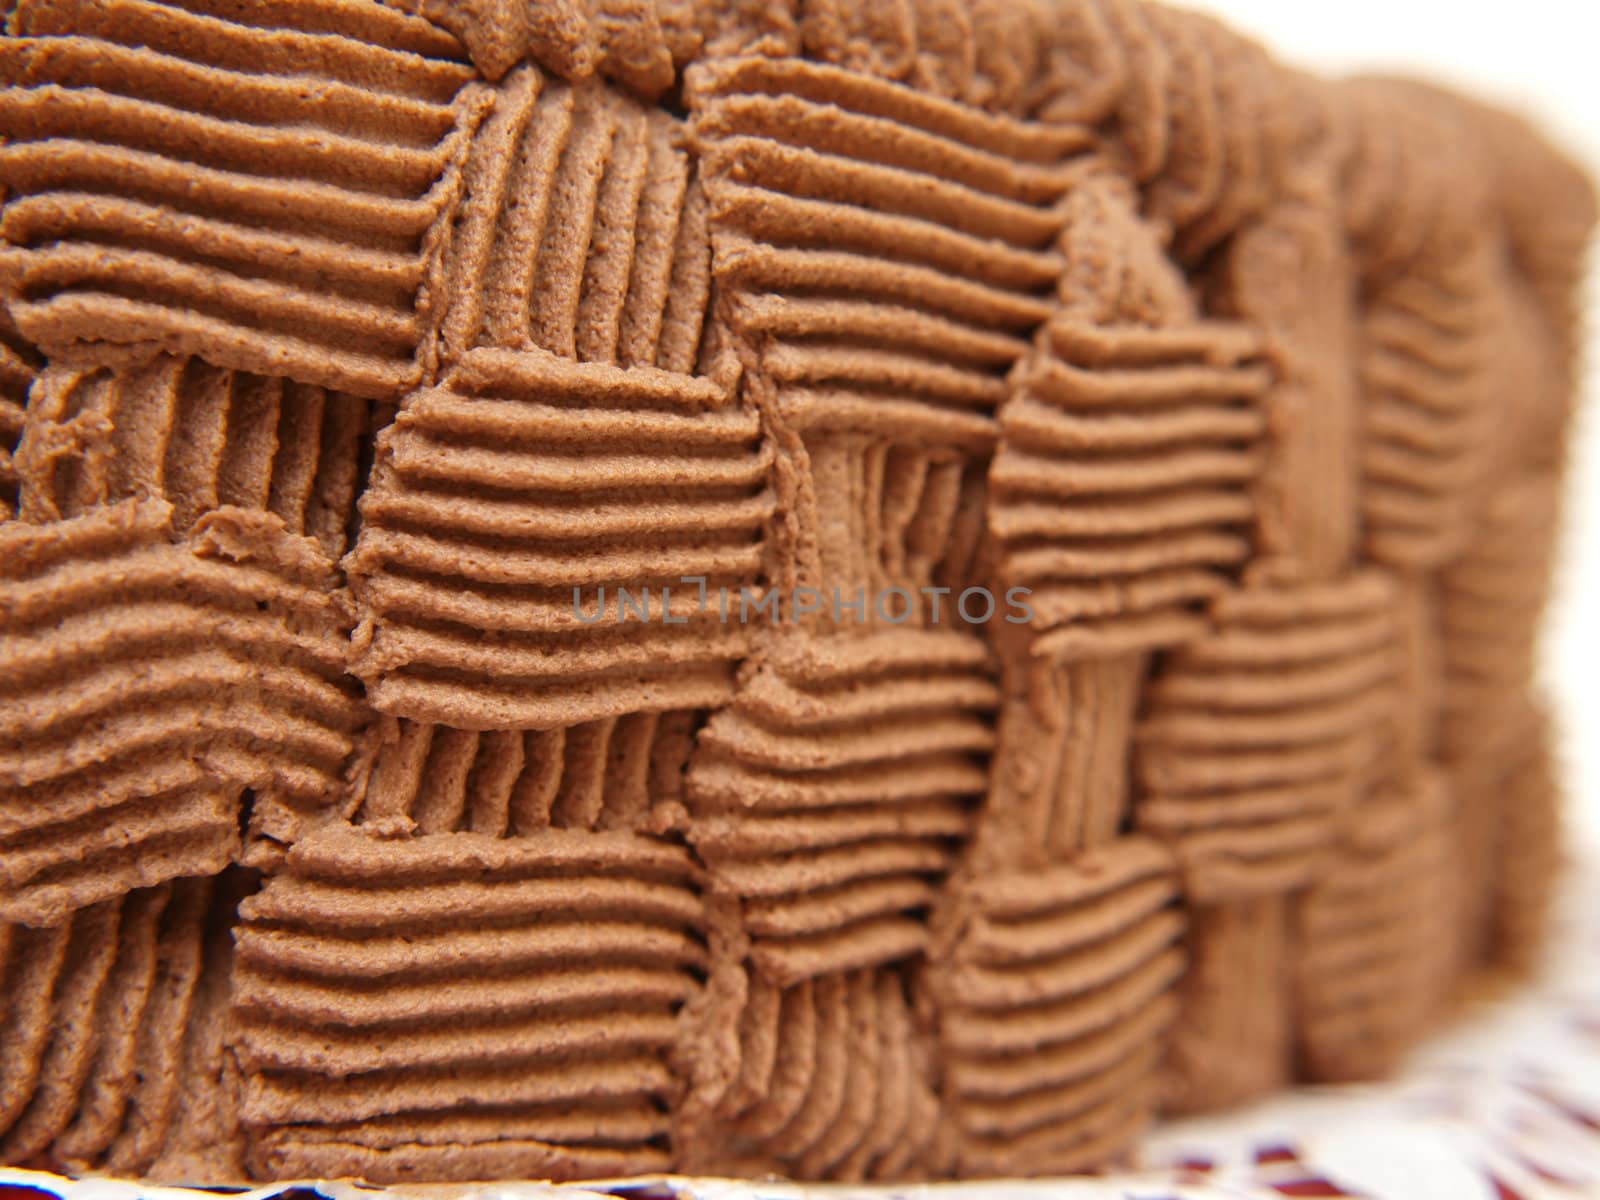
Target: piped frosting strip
(615, 773)
(1490, 599)
(831, 794)
(174, 187)
(468, 574)
(1426, 425)
(201, 437)
(833, 1083)
(390, 992)
(1055, 998)
(1130, 444)
(888, 257)
(1378, 937)
(149, 682)
(1259, 735)
(113, 1074)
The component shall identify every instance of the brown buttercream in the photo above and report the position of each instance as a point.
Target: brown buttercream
(358, 357)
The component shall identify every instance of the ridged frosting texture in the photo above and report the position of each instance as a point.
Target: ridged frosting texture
(413, 415)
(181, 180)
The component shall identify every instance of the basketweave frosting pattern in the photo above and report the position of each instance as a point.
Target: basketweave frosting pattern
(493, 499)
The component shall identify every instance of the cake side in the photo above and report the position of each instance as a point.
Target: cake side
(883, 591)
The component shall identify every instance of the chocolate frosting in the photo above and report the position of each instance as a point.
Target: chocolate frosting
(869, 590)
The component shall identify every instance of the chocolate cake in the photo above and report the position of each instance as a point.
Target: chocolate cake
(860, 590)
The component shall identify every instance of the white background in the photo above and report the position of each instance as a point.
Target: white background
(1538, 56)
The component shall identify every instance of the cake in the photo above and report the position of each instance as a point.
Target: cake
(872, 591)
